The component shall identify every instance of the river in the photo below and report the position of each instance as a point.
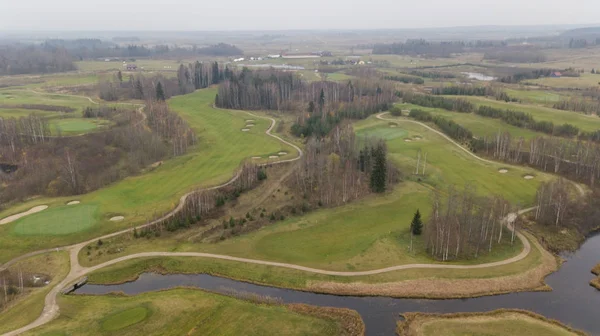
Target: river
(573, 301)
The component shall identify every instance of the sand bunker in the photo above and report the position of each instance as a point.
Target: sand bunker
(528, 177)
(13, 218)
(250, 125)
(249, 120)
(282, 153)
(417, 137)
(73, 202)
(273, 157)
(117, 218)
(502, 171)
(156, 164)
(407, 140)
(393, 126)
(256, 157)
(245, 129)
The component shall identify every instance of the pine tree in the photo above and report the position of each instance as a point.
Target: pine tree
(139, 89)
(379, 172)
(215, 73)
(593, 71)
(416, 226)
(311, 107)
(120, 76)
(321, 101)
(160, 94)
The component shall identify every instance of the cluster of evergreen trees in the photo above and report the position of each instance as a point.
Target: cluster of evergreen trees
(525, 120)
(535, 74)
(449, 127)
(433, 74)
(406, 79)
(464, 90)
(579, 105)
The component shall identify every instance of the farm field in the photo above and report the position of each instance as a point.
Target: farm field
(558, 117)
(498, 323)
(222, 148)
(180, 312)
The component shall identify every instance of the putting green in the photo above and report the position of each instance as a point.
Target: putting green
(125, 318)
(60, 220)
(76, 125)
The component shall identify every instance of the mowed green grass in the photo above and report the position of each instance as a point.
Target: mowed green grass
(221, 148)
(125, 318)
(179, 312)
(58, 220)
(70, 126)
(586, 80)
(558, 117)
(535, 96)
(508, 324)
(480, 126)
(24, 96)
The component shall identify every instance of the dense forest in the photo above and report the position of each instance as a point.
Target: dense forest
(319, 105)
(58, 166)
(420, 47)
(19, 59)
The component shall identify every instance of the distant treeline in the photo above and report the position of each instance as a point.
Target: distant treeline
(19, 59)
(95, 48)
(432, 74)
(525, 120)
(535, 74)
(473, 91)
(579, 105)
(419, 47)
(405, 79)
(516, 56)
(319, 105)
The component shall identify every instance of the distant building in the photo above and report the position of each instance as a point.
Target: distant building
(131, 67)
(239, 59)
(556, 74)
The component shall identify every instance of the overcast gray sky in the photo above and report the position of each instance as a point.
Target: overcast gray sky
(285, 14)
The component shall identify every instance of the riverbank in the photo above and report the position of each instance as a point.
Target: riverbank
(524, 275)
(596, 282)
(185, 311)
(502, 322)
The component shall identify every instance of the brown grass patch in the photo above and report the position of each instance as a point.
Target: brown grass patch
(595, 283)
(413, 321)
(596, 269)
(351, 324)
(432, 288)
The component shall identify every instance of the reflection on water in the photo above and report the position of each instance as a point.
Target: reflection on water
(573, 301)
(479, 76)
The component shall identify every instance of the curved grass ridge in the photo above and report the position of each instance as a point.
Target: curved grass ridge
(409, 326)
(596, 281)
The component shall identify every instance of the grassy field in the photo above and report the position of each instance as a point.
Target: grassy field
(143, 64)
(29, 307)
(371, 233)
(535, 96)
(558, 117)
(72, 126)
(497, 323)
(221, 149)
(179, 312)
(586, 80)
(58, 220)
(480, 126)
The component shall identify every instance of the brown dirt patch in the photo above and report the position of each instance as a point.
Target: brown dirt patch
(596, 269)
(532, 279)
(595, 283)
(350, 321)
